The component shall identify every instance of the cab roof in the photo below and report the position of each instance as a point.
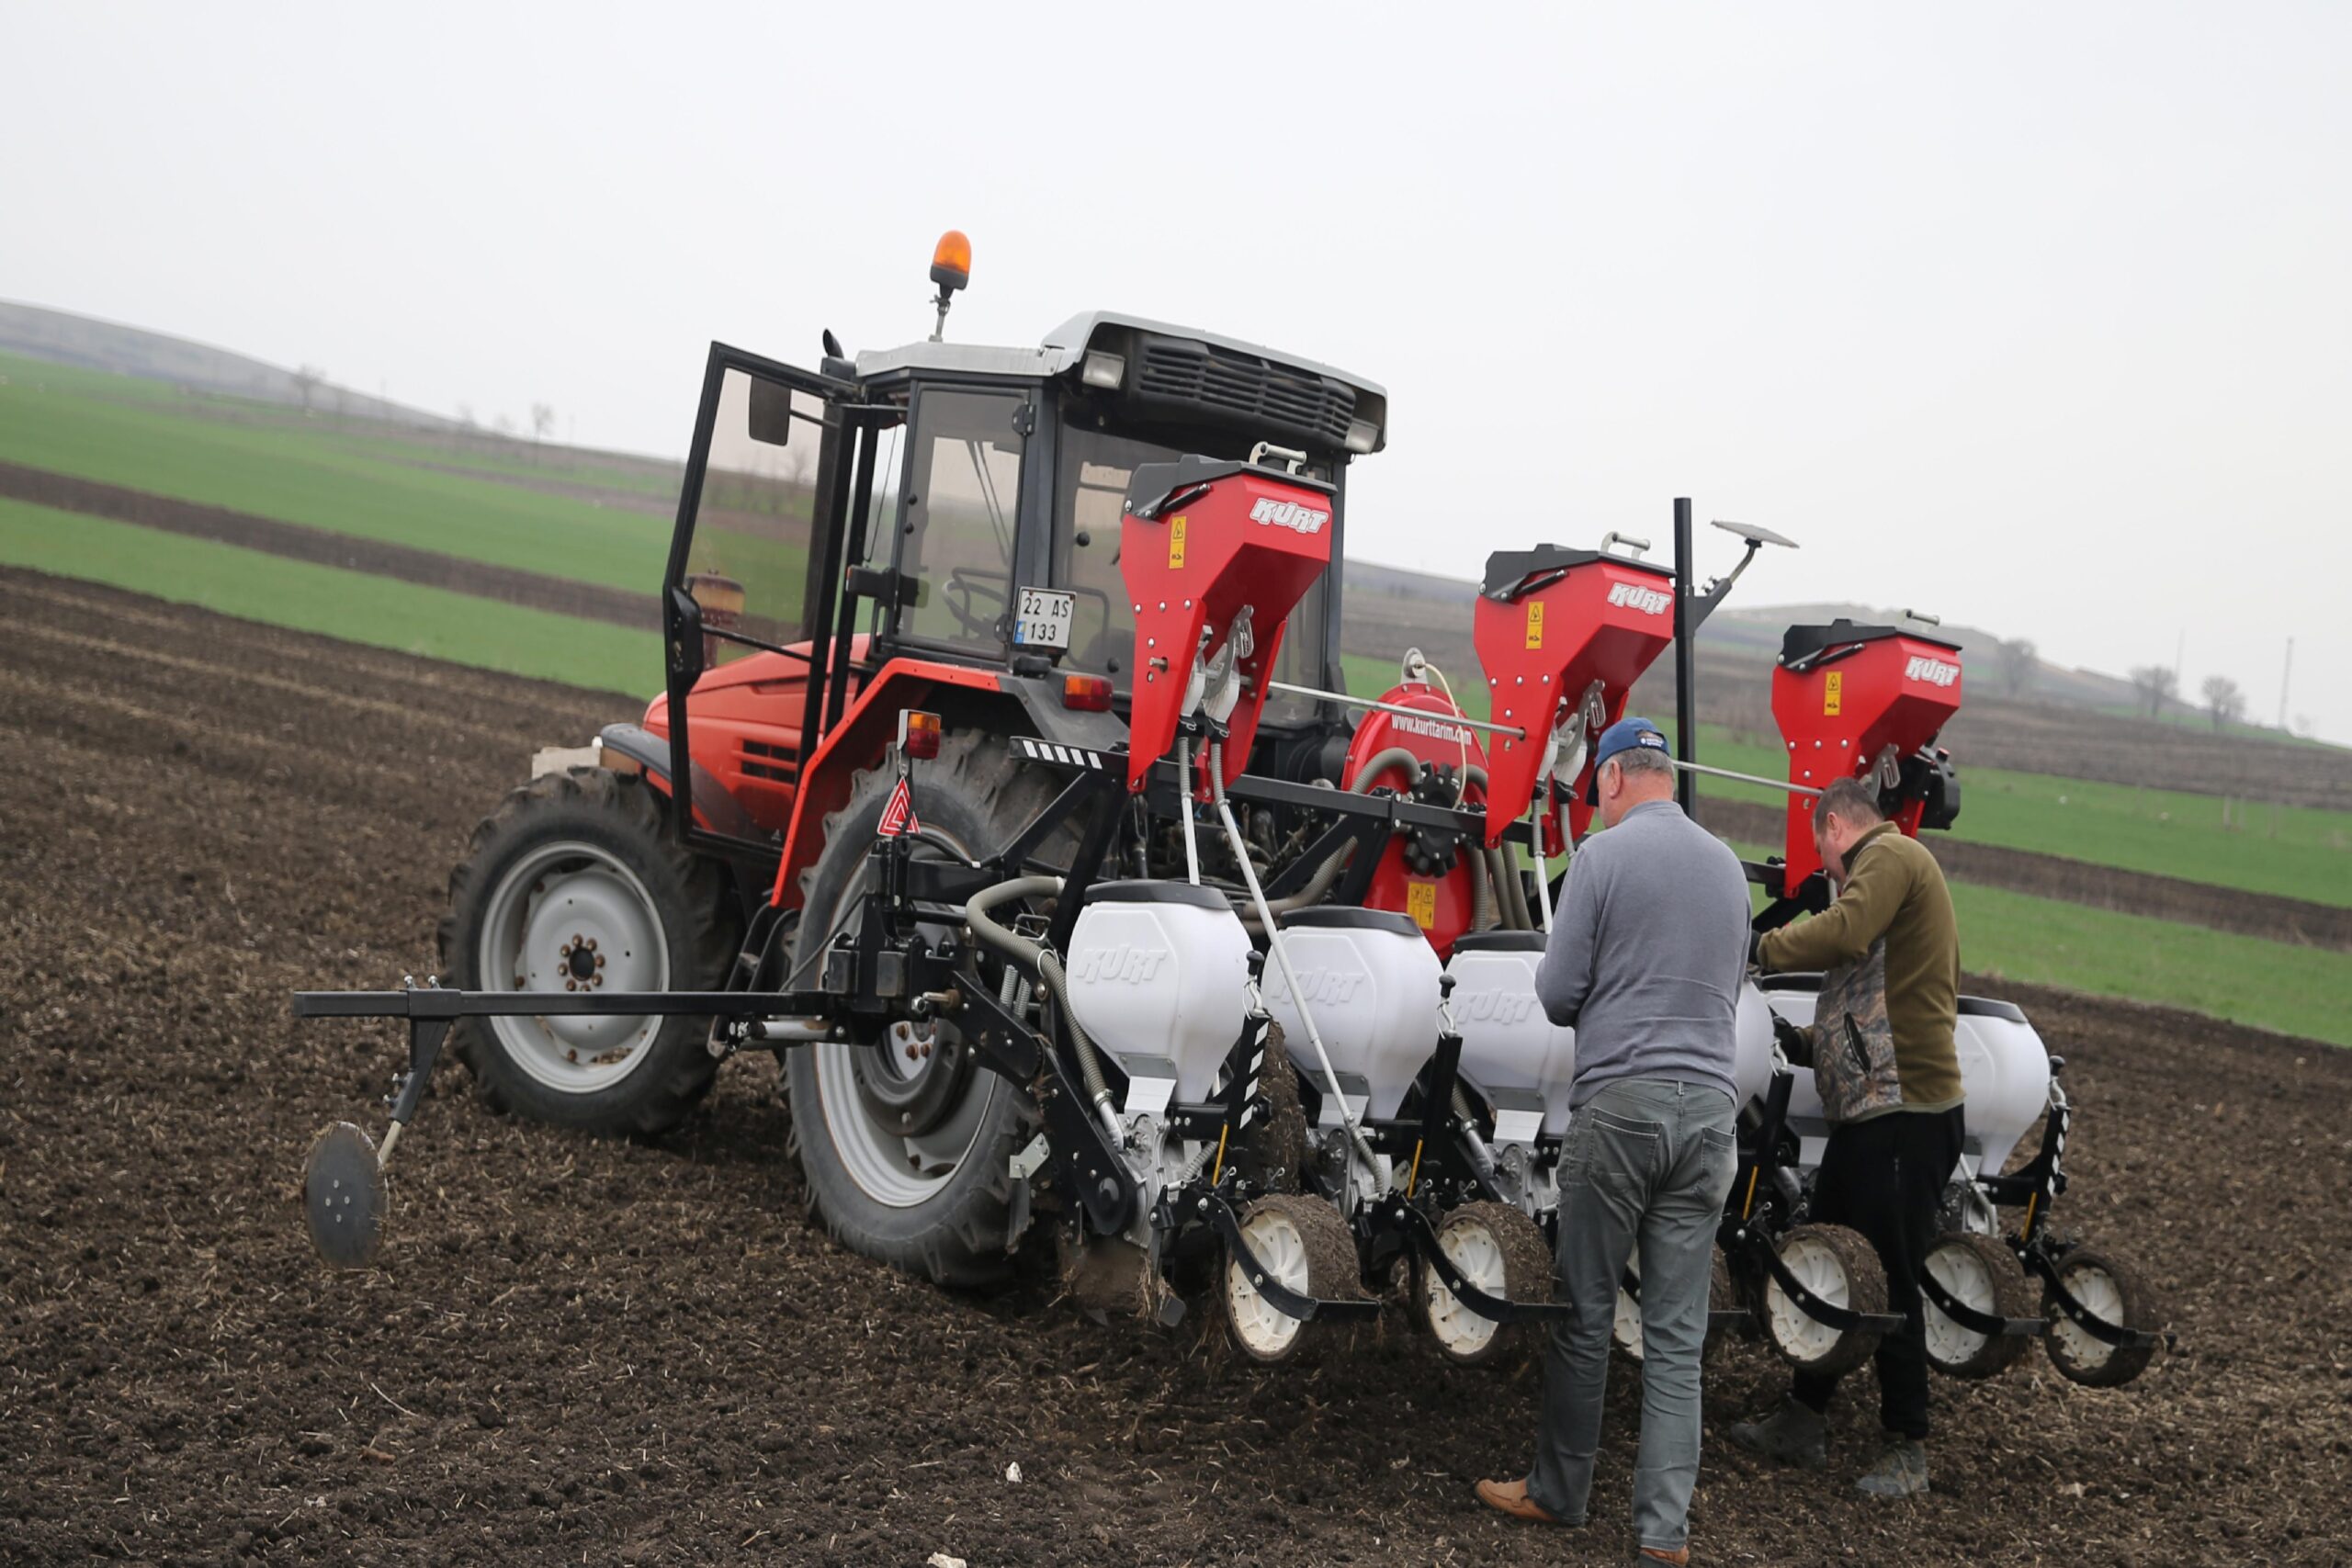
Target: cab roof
(1065, 347)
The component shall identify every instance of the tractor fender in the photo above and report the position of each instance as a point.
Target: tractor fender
(964, 697)
(715, 809)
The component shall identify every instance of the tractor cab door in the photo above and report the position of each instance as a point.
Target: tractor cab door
(777, 479)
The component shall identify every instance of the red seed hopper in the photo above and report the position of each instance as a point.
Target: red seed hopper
(1862, 700)
(1215, 556)
(1562, 636)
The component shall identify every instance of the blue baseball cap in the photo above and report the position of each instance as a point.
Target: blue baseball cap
(1625, 735)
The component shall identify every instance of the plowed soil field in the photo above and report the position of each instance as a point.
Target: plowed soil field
(611, 1352)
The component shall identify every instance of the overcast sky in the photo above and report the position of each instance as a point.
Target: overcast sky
(2037, 316)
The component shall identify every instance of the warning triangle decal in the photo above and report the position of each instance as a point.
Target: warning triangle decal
(898, 816)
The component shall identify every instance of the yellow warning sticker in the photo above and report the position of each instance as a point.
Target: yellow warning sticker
(1833, 691)
(1420, 902)
(1176, 542)
(1535, 623)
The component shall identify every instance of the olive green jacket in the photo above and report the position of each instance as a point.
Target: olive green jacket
(1894, 890)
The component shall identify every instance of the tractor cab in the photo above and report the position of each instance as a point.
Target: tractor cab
(956, 507)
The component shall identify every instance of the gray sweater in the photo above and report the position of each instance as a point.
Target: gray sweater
(1647, 952)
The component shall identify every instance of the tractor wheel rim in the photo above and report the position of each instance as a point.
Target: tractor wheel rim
(900, 1148)
(1800, 1337)
(1473, 1248)
(1963, 1275)
(2096, 1290)
(1274, 1237)
(567, 917)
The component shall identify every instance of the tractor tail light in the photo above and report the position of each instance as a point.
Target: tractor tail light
(918, 733)
(1087, 693)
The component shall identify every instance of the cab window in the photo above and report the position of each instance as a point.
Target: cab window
(963, 495)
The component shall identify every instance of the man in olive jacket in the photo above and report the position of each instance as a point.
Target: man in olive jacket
(1891, 1156)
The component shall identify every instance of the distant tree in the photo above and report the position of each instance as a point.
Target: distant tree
(2155, 683)
(542, 421)
(307, 381)
(2224, 702)
(2019, 658)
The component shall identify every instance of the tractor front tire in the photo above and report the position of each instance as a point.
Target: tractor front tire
(575, 883)
(902, 1169)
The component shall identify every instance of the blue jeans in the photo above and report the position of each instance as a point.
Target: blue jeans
(1647, 1163)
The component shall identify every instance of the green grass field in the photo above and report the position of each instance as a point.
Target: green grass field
(353, 606)
(2288, 851)
(301, 475)
(2046, 942)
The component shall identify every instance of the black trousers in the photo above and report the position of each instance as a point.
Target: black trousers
(1885, 1178)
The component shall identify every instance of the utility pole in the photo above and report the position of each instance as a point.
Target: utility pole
(2284, 676)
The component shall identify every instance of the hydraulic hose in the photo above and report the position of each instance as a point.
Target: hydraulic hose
(1282, 953)
(1483, 913)
(1328, 872)
(1032, 957)
(1502, 863)
(1184, 809)
(1543, 866)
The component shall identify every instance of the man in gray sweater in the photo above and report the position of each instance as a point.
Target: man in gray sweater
(1645, 961)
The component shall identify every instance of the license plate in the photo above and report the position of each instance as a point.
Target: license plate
(1042, 618)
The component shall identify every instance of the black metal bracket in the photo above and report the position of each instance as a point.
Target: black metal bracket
(1104, 1185)
(433, 1002)
(1844, 1319)
(2038, 1261)
(1206, 1203)
(1975, 1322)
(424, 1039)
(1404, 1219)
(1006, 1044)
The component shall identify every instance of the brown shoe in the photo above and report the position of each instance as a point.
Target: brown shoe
(1680, 1556)
(1510, 1498)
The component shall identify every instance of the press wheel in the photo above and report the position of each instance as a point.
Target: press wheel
(1305, 1245)
(1500, 1250)
(1840, 1267)
(1979, 1271)
(2116, 1293)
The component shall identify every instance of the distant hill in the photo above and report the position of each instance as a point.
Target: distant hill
(63, 338)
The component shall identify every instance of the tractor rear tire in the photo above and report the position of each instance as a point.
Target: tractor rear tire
(914, 1203)
(1842, 1268)
(576, 880)
(1985, 1274)
(2118, 1295)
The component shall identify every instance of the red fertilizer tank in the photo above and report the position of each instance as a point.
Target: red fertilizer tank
(1215, 555)
(1562, 636)
(1864, 702)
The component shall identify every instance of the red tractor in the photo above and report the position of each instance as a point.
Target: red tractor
(937, 527)
(1002, 787)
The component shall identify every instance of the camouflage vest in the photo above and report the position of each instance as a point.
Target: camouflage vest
(1853, 1044)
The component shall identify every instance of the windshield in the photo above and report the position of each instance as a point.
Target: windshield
(1088, 492)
